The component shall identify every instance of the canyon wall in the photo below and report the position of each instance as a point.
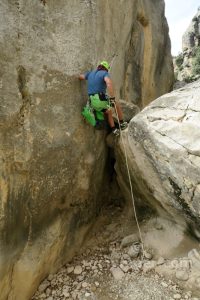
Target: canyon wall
(191, 37)
(187, 63)
(52, 164)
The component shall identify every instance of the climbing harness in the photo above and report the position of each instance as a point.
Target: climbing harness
(93, 111)
(130, 183)
(92, 116)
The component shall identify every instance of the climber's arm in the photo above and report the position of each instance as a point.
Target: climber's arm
(110, 87)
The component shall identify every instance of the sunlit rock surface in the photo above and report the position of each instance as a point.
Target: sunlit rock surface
(162, 145)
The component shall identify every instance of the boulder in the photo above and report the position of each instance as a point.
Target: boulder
(163, 151)
(129, 240)
(129, 110)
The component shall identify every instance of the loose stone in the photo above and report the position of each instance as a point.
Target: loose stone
(96, 283)
(43, 286)
(78, 270)
(182, 275)
(160, 261)
(84, 284)
(66, 294)
(177, 296)
(134, 251)
(149, 266)
(50, 277)
(70, 269)
(148, 255)
(128, 240)
(125, 269)
(87, 294)
(117, 273)
(164, 284)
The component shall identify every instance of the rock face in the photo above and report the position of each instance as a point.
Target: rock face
(184, 63)
(163, 149)
(52, 164)
(148, 58)
(191, 37)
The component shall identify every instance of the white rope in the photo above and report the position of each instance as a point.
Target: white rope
(130, 183)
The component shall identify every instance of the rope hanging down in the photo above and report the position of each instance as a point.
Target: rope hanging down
(130, 183)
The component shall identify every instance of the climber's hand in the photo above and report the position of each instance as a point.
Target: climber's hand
(112, 101)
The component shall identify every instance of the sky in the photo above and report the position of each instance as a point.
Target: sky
(179, 14)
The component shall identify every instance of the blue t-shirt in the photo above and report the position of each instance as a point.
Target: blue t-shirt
(96, 83)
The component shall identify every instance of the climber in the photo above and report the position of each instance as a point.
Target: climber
(98, 81)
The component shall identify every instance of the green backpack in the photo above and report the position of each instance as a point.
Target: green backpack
(92, 116)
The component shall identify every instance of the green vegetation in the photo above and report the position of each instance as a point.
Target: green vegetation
(190, 70)
(179, 60)
(175, 76)
(196, 62)
(189, 79)
(195, 19)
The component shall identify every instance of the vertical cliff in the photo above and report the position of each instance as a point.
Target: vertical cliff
(191, 37)
(53, 165)
(187, 63)
(142, 63)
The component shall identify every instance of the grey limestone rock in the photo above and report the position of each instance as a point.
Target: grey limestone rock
(182, 275)
(134, 250)
(148, 255)
(149, 266)
(194, 256)
(78, 270)
(128, 240)
(191, 37)
(160, 261)
(185, 61)
(117, 273)
(163, 149)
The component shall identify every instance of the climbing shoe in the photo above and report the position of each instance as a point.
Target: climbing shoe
(123, 125)
(115, 131)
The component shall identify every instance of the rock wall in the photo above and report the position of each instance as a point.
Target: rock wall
(140, 71)
(184, 64)
(191, 37)
(53, 165)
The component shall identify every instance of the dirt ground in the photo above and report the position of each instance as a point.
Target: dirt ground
(109, 269)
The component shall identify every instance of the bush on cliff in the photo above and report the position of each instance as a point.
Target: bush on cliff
(179, 60)
(196, 62)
